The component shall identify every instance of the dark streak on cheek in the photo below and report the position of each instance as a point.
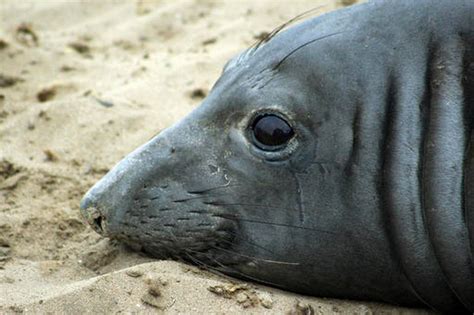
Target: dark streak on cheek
(299, 198)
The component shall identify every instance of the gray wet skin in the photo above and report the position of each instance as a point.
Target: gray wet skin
(372, 197)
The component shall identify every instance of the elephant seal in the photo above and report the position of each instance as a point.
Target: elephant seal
(334, 159)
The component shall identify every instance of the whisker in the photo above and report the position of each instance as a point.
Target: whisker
(194, 198)
(240, 218)
(304, 45)
(249, 242)
(213, 203)
(256, 258)
(312, 229)
(205, 266)
(195, 260)
(279, 28)
(197, 192)
(202, 191)
(232, 270)
(203, 197)
(223, 268)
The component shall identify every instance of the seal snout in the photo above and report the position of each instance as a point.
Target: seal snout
(94, 217)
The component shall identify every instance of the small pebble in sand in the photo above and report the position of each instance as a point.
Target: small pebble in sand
(153, 283)
(104, 102)
(7, 170)
(134, 273)
(3, 114)
(241, 293)
(50, 156)
(46, 94)
(241, 297)
(261, 36)
(3, 44)
(152, 301)
(347, 2)
(26, 36)
(228, 290)
(198, 93)
(301, 308)
(12, 182)
(6, 279)
(66, 68)
(5, 251)
(16, 309)
(44, 115)
(266, 299)
(81, 48)
(153, 296)
(7, 80)
(209, 41)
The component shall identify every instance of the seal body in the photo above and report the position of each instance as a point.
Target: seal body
(335, 159)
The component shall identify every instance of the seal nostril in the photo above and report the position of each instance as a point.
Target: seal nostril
(98, 223)
(95, 218)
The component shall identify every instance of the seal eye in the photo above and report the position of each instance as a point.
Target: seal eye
(271, 130)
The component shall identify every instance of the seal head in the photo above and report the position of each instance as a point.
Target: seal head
(301, 169)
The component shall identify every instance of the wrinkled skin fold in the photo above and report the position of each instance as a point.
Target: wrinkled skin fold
(373, 196)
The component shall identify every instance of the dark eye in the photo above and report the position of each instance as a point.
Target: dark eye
(271, 130)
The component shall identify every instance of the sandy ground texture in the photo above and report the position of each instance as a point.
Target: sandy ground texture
(81, 85)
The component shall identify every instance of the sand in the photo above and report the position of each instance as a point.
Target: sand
(81, 85)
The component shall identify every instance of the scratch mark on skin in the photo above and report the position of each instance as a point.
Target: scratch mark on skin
(299, 199)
